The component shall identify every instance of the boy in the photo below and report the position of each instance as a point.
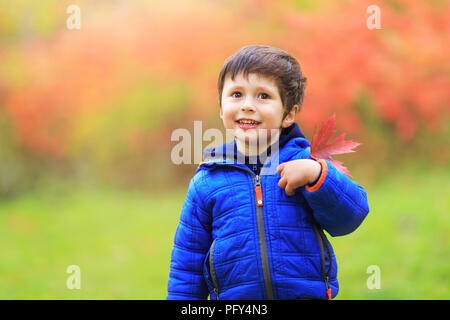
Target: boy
(247, 230)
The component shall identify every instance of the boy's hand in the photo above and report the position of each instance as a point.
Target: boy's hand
(297, 173)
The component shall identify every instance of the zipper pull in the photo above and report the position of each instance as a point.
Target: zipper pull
(328, 289)
(258, 192)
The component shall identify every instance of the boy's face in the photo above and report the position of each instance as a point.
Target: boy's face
(256, 99)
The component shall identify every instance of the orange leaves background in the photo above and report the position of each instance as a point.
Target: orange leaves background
(109, 95)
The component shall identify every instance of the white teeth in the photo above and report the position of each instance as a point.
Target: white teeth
(248, 122)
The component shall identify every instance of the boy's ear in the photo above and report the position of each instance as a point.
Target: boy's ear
(290, 117)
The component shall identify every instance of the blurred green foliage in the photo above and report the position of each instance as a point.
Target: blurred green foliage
(19, 169)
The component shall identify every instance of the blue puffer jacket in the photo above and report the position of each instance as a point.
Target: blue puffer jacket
(241, 237)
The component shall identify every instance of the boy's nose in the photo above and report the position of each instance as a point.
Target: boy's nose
(248, 107)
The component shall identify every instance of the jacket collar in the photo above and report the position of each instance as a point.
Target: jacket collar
(290, 140)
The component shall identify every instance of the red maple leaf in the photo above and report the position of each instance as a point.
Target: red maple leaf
(321, 149)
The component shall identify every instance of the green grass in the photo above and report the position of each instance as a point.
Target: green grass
(406, 234)
(122, 241)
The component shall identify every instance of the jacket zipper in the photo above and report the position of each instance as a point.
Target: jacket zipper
(262, 237)
(213, 271)
(262, 240)
(325, 275)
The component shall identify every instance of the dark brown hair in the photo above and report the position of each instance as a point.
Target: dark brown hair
(270, 62)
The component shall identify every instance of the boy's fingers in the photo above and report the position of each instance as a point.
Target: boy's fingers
(289, 190)
(282, 183)
(280, 168)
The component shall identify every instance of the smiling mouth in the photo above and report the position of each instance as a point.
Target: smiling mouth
(246, 124)
(247, 121)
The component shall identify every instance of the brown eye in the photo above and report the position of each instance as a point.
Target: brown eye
(236, 92)
(265, 96)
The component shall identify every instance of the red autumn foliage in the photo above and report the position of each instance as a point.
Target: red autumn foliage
(321, 148)
(404, 66)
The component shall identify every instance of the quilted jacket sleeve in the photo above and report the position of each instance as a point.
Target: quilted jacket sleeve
(191, 243)
(339, 204)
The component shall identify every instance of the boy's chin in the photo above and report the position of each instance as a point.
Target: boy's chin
(253, 139)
